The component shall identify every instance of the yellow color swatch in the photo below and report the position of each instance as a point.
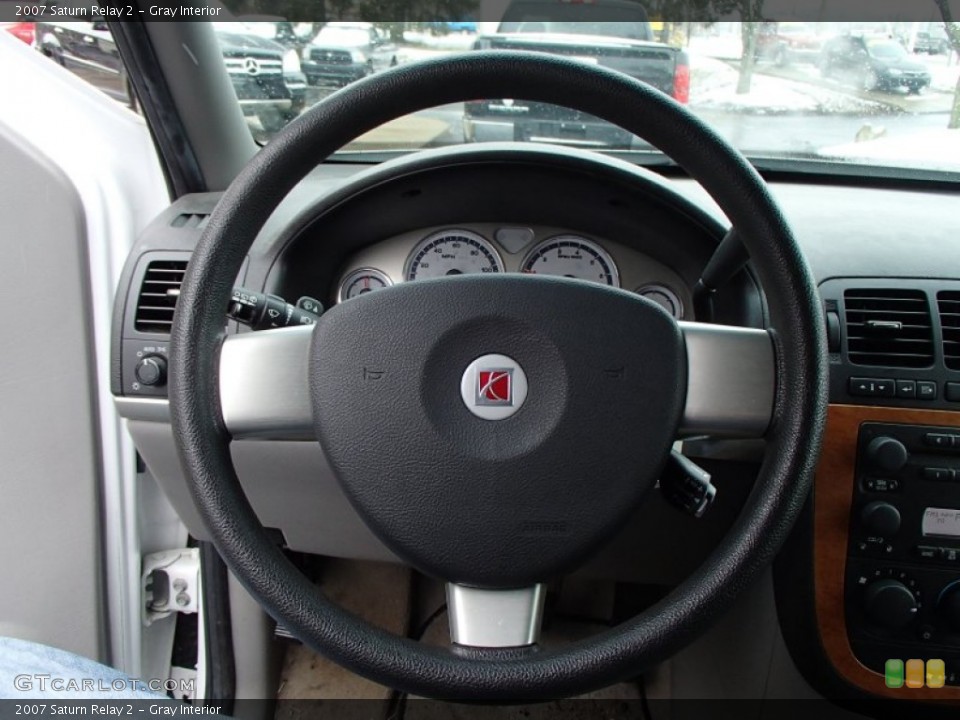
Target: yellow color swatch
(914, 673)
(936, 673)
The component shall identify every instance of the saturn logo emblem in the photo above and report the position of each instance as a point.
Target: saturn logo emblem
(493, 387)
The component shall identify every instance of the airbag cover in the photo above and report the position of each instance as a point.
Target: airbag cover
(509, 502)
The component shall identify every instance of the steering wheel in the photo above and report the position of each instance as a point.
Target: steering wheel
(495, 431)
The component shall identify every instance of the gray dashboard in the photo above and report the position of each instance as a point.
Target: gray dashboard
(312, 243)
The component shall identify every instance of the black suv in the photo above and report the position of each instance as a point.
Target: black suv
(266, 76)
(873, 63)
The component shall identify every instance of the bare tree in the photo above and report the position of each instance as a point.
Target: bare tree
(953, 33)
(750, 23)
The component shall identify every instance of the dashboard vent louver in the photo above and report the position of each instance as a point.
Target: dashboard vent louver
(888, 328)
(158, 296)
(197, 221)
(948, 302)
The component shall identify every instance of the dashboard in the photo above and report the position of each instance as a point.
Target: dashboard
(504, 247)
(863, 579)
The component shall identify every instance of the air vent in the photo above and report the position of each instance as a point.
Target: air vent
(196, 221)
(158, 296)
(948, 302)
(888, 328)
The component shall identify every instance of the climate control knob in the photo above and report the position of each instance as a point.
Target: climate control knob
(880, 518)
(890, 604)
(151, 371)
(887, 455)
(948, 605)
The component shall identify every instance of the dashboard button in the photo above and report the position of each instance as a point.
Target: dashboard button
(926, 390)
(906, 388)
(863, 387)
(928, 552)
(940, 474)
(953, 392)
(886, 388)
(939, 440)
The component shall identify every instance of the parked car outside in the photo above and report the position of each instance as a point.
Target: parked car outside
(88, 50)
(265, 75)
(932, 43)
(346, 51)
(873, 63)
(788, 42)
(622, 41)
(21, 30)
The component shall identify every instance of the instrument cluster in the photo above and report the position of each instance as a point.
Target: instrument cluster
(489, 248)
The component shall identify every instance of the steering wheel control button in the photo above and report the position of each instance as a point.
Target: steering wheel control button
(494, 387)
(265, 312)
(311, 305)
(152, 371)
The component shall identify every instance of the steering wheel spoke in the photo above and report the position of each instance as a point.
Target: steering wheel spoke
(731, 381)
(499, 619)
(264, 384)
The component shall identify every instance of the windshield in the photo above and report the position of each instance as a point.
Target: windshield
(790, 92)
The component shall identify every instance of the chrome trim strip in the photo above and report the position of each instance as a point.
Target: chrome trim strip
(264, 384)
(279, 104)
(143, 408)
(731, 381)
(495, 618)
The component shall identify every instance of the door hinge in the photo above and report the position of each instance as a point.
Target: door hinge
(170, 583)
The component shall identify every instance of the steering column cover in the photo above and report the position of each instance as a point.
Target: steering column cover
(793, 438)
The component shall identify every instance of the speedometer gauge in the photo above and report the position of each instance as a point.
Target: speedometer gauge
(452, 252)
(574, 257)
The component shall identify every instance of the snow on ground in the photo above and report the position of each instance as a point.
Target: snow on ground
(713, 86)
(937, 149)
(944, 70)
(724, 47)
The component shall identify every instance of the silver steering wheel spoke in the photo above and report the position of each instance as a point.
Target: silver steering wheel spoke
(731, 381)
(264, 384)
(495, 618)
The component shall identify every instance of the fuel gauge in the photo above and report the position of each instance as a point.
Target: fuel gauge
(362, 281)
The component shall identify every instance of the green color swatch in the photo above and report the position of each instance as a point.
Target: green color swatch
(893, 673)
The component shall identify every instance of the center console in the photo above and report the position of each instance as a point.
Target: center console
(886, 503)
(902, 578)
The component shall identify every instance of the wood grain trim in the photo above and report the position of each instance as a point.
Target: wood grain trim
(833, 495)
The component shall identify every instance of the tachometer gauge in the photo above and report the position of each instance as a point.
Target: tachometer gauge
(574, 257)
(452, 252)
(362, 281)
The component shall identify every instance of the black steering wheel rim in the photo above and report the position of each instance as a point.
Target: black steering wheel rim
(793, 438)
